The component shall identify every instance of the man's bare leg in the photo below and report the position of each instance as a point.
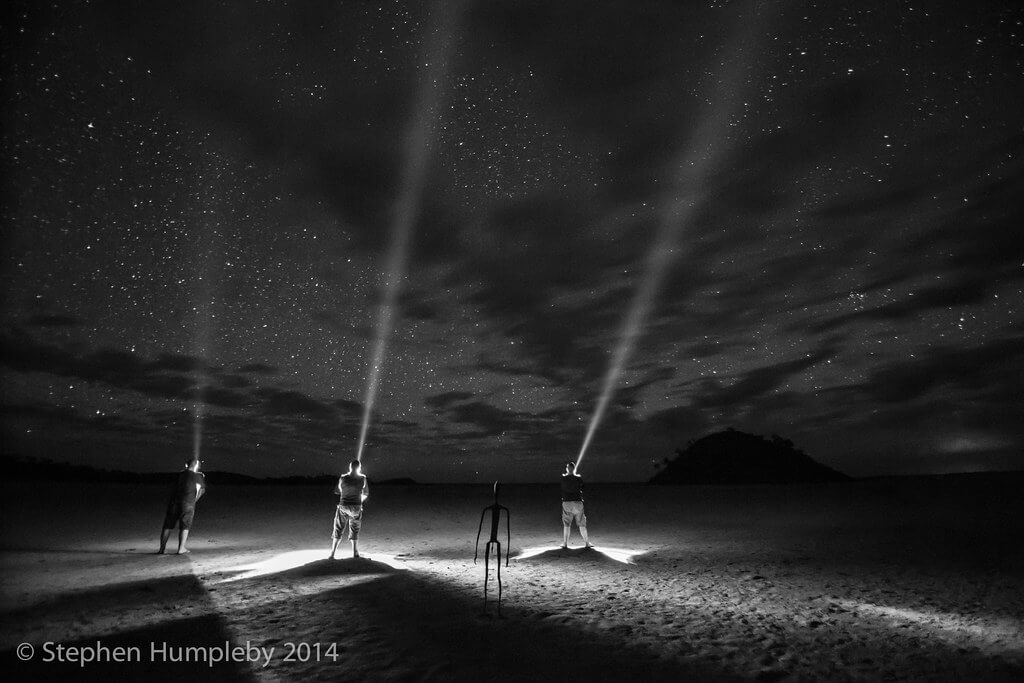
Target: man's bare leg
(583, 533)
(566, 530)
(355, 548)
(182, 538)
(334, 547)
(165, 535)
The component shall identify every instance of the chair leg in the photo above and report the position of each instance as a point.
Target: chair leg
(487, 572)
(499, 577)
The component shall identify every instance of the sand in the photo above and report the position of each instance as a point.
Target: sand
(902, 579)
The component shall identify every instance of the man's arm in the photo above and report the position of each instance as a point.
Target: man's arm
(200, 487)
(337, 487)
(366, 490)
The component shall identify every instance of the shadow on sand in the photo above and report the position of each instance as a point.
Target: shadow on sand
(350, 566)
(403, 626)
(166, 614)
(148, 596)
(50, 550)
(447, 553)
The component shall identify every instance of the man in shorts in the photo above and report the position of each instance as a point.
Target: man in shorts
(353, 489)
(572, 505)
(181, 506)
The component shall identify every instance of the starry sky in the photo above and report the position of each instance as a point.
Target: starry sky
(199, 203)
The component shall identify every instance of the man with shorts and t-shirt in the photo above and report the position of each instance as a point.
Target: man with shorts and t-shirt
(181, 507)
(572, 505)
(353, 489)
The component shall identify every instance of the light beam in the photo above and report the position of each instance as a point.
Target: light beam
(202, 300)
(691, 169)
(622, 555)
(293, 559)
(982, 631)
(418, 143)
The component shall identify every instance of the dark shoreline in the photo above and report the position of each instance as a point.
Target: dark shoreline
(16, 469)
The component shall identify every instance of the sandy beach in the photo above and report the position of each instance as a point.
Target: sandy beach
(890, 579)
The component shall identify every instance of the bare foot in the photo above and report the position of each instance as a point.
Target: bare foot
(160, 552)
(565, 547)
(590, 545)
(183, 551)
(331, 556)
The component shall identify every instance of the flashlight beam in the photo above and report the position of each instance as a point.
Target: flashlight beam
(692, 167)
(419, 142)
(643, 299)
(203, 297)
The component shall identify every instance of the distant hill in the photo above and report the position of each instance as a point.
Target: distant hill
(734, 457)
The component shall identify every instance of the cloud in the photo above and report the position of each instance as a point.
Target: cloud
(113, 367)
(447, 399)
(963, 292)
(483, 420)
(234, 381)
(757, 382)
(349, 409)
(169, 376)
(707, 349)
(417, 305)
(53, 320)
(224, 398)
(288, 403)
(155, 385)
(58, 419)
(179, 363)
(258, 369)
(991, 369)
(488, 420)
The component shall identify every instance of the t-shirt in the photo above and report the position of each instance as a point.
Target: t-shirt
(185, 487)
(572, 487)
(351, 487)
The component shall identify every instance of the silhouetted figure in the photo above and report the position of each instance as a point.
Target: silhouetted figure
(353, 489)
(572, 505)
(181, 506)
(495, 511)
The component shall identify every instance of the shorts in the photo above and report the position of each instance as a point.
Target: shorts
(179, 513)
(348, 517)
(572, 510)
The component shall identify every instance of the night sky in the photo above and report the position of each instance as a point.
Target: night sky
(198, 199)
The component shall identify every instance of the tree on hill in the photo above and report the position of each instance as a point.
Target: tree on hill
(734, 457)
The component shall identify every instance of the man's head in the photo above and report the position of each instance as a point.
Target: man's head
(192, 464)
(570, 468)
(354, 467)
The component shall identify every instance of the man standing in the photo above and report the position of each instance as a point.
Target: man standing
(353, 489)
(181, 507)
(572, 505)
